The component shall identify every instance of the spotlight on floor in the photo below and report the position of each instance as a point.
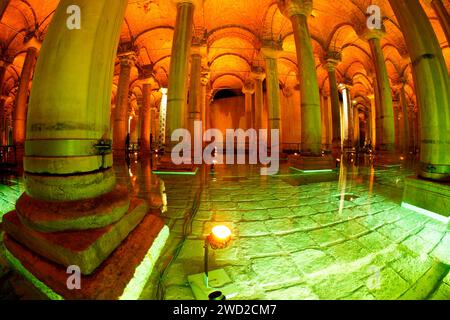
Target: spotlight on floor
(208, 283)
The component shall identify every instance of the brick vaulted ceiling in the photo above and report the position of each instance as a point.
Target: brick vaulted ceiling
(234, 30)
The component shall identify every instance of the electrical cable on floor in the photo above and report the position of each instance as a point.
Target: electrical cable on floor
(187, 230)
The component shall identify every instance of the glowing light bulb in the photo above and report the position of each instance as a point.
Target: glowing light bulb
(221, 232)
(220, 237)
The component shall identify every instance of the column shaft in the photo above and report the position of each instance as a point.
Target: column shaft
(433, 88)
(309, 88)
(121, 110)
(259, 104)
(195, 105)
(70, 103)
(273, 94)
(20, 109)
(3, 67)
(335, 105)
(3, 5)
(443, 16)
(178, 76)
(146, 118)
(386, 139)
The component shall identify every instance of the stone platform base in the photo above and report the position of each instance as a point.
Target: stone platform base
(122, 275)
(86, 248)
(312, 163)
(427, 195)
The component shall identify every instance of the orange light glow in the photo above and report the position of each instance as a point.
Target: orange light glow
(221, 232)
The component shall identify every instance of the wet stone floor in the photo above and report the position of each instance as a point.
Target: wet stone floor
(340, 235)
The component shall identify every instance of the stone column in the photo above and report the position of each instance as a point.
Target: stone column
(258, 76)
(146, 117)
(203, 97)
(195, 104)
(209, 96)
(248, 90)
(72, 212)
(356, 128)
(134, 128)
(20, 109)
(347, 117)
(3, 67)
(385, 117)
(179, 63)
(332, 59)
(127, 62)
(372, 112)
(270, 54)
(162, 119)
(443, 16)
(326, 123)
(3, 131)
(3, 5)
(432, 85)
(298, 12)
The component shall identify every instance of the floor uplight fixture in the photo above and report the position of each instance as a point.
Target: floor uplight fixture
(207, 282)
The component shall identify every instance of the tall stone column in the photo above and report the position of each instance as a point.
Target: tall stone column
(356, 128)
(332, 60)
(195, 104)
(298, 12)
(203, 97)
(385, 117)
(326, 121)
(371, 119)
(20, 109)
(270, 54)
(433, 88)
(3, 130)
(3, 5)
(72, 213)
(443, 16)
(146, 117)
(179, 64)
(3, 67)
(248, 90)
(127, 62)
(258, 76)
(208, 100)
(347, 117)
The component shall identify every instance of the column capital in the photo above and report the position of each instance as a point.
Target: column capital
(271, 48)
(258, 73)
(290, 8)
(127, 59)
(249, 87)
(199, 50)
(205, 77)
(332, 59)
(146, 72)
(368, 34)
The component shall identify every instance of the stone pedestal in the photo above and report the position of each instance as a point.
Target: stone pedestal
(121, 276)
(427, 195)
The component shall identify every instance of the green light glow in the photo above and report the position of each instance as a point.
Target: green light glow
(312, 171)
(144, 270)
(17, 265)
(177, 173)
(427, 213)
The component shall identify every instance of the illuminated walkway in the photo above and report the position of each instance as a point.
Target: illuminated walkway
(295, 239)
(326, 236)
